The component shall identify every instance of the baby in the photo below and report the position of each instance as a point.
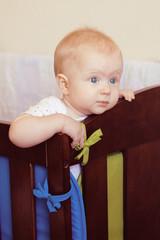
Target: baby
(88, 66)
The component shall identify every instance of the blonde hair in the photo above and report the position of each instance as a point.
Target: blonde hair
(85, 37)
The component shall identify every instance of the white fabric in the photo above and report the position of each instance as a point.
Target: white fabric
(26, 79)
(137, 75)
(47, 106)
(50, 106)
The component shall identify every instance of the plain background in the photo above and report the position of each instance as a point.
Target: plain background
(36, 26)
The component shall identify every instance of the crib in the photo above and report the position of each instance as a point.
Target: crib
(121, 193)
(132, 129)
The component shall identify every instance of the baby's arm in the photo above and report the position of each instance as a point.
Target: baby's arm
(28, 130)
(128, 94)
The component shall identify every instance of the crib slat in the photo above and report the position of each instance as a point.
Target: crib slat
(23, 211)
(59, 183)
(95, 198)
(142, 192)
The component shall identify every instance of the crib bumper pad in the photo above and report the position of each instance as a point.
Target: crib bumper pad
(79, 231)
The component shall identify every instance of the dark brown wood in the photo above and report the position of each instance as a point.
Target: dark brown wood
(126, 125)
(23, 210)
(34, 155)
(95, 198)
(58, 176)
(54, 154)
(66, 185)
(142, 192)
(133, 128)
(22, 183)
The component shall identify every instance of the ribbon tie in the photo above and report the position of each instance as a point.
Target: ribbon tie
(94, 138)
(53, 202)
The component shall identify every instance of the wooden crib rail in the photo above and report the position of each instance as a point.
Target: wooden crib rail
(127, 124)
(21, 161)
(134, 129)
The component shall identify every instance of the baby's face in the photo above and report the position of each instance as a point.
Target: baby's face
(93, 83)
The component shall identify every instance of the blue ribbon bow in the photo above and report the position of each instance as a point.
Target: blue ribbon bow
(53, 202)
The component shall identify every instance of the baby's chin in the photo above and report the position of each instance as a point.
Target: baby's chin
(98, 112)
(101, 111)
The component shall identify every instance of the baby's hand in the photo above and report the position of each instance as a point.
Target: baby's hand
(75, 130)
(128, 94)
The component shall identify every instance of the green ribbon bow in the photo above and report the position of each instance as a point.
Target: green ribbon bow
(94, 138)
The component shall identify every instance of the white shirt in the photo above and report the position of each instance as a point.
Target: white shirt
(52, 105)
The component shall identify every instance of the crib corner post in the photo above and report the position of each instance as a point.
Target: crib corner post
(58, 158)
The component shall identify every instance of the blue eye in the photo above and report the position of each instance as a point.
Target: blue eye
(113, 81)
(94, 79)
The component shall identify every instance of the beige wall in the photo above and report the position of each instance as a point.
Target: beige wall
(36, 26)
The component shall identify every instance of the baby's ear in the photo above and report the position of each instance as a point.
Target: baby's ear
(62, 81)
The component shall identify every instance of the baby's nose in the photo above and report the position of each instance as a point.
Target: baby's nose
(106, 90)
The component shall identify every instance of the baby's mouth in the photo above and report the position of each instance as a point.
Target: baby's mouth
(102, 103)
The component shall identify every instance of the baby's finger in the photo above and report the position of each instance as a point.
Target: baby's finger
(74, 143)
(133, 96)
(81, 142)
